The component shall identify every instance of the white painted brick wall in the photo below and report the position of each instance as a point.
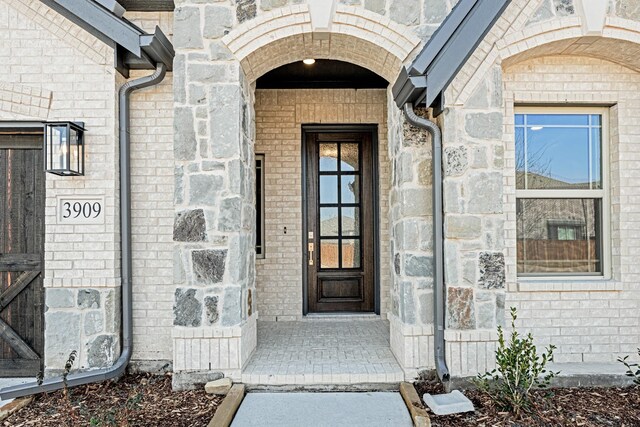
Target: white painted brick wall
(279, 118)
(152, 178)
(588, 320)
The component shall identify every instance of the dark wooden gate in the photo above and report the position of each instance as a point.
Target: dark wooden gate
(22, 201)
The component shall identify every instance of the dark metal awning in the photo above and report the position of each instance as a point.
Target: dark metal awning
(134, 48)
(426, 78)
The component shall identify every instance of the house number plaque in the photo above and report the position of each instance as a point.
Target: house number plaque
(80, 210)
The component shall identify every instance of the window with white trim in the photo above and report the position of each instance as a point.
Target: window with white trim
(561, 191)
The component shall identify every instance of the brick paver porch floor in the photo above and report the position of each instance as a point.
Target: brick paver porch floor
(323, 351)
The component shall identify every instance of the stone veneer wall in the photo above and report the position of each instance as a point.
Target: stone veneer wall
(411, 221)
(280, 115)
(214, 258)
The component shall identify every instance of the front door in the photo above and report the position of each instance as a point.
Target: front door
(22, 201)
(340, 244)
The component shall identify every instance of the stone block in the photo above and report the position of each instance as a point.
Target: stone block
(484, 190)
(564, 7)
(435, 11)
(462, 227)
(184, 140)
(203, 189)
(377, 6)
(211, 307)
(486, 315)
(219, 387)
(218, 20)
(230, 215)
(460, 308)
(455, 160)
(628, 9)
(425, 172)
(542, 13)
(208, 73)
(484, 125)
(479, 99)
(186, 26)
(232, 306)
(449, 403)
(93, 322)
(426, 308)
(405, 12)
(102, 351)
(209, 265)
(112, 311)
(61, 337)
(418, 266)
(413, 136)
(237, 175)
(416, 202)
(407, 303)
(190, 380)
(272, 4)
(224, 109)
(492, 270)
(219, 52)
(59, 298)
(245, 10)
(187, 310)
(88, 298)
(190, 226)
(178, 191)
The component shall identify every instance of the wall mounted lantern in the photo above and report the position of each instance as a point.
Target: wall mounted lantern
(64, 148)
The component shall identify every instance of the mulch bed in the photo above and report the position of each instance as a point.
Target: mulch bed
(587, 406)
(134, 400)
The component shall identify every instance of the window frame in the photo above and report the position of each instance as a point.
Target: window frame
(260, 213)
(603, 194)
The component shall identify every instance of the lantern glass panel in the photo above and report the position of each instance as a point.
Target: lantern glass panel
(74, 150)
(58, 150)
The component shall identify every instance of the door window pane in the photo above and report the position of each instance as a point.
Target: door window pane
(350, 221)
(350, 189)
(328, 189)
(329, 253)
(350, 253)
(329, 222)
(559, 236)
(328, 157)
(349, 157)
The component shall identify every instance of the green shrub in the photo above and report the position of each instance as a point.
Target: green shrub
(633, 369)
(519, 368)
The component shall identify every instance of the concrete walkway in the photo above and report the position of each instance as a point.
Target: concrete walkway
(322, 409)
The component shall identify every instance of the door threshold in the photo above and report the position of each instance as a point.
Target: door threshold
(342, 316)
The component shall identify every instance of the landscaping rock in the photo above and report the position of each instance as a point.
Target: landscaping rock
(219, 387)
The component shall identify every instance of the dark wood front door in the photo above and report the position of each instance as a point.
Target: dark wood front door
(340, 233)
(22, 201)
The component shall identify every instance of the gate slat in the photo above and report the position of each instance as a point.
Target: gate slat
(16, 342)
(20, 262)
(21, 282)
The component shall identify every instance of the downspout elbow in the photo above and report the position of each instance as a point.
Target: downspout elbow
(438, 241)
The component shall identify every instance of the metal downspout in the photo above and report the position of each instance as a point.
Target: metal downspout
(438, 279)
(118, 368)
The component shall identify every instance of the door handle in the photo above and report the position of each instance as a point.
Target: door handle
(310, 253)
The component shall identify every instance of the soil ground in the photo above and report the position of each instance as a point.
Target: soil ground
(134, 400)
(584, 407)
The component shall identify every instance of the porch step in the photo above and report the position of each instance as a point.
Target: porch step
(331, 353)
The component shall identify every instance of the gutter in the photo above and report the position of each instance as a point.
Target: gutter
(119, 367)
(438, 247)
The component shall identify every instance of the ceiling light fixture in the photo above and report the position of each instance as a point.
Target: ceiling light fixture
(309, 61)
